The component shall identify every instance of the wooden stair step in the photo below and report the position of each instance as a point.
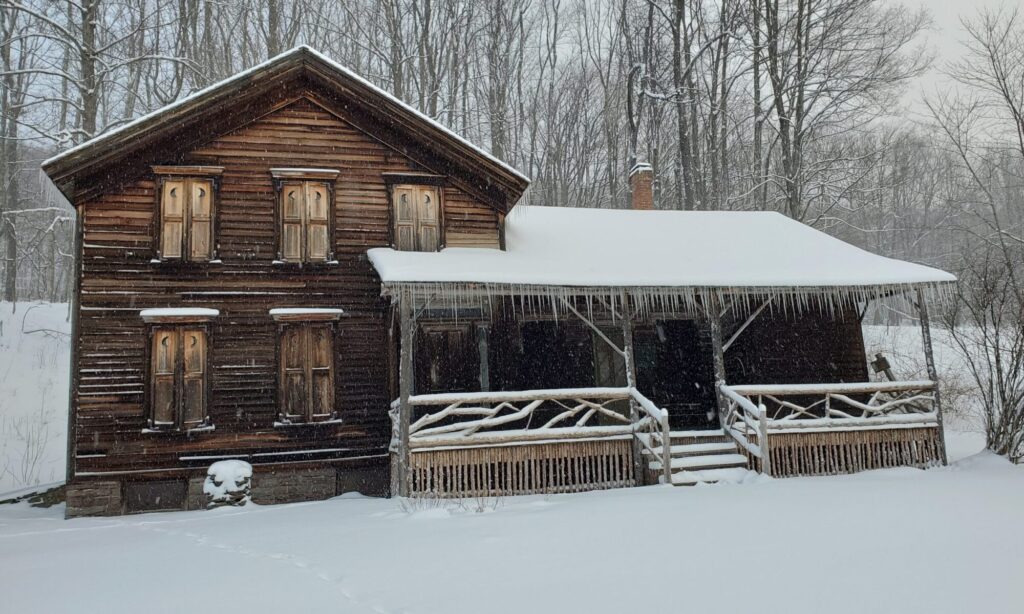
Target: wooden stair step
(696, 449)
(697, 434)
(707, 461)
(707, 476)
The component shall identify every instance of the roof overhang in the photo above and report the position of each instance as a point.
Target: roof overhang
(663, 260)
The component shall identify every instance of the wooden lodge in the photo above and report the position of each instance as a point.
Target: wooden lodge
(296, 269)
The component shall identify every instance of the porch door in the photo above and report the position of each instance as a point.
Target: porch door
(447, 359)
(675, 370)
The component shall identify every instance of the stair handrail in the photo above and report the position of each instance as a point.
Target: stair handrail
(755, 418)
(659, 418)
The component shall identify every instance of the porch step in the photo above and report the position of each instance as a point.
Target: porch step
(730, 475)
(705, 461)
(696, 449)
(704, 436)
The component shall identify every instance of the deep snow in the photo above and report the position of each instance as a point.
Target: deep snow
(902, 540)
(34, 360)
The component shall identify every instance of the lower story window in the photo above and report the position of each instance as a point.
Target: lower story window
(307, 372)
(178, 377)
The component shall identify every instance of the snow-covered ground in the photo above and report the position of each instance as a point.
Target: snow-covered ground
(34, 349)
(904, 540)
(900, 541)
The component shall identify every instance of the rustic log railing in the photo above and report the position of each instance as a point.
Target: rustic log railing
(544, 417)
(745, 421)
(817, 425)
(842, 405)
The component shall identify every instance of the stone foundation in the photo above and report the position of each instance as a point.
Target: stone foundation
(89, 498)
(270, 485)
(196, 499)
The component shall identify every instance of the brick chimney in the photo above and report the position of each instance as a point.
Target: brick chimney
(641, 186)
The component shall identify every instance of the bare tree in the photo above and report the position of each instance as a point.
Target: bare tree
(984, 129)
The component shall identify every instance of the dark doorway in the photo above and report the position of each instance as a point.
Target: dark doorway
(447, 358)
(675, 370)
(554, 355)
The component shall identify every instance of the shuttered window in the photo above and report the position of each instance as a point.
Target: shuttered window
(305, 212)
(417, 216)
(307, 372)
(186, 219)
(178, 377)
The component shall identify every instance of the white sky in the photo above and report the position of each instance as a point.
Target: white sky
(944, 38)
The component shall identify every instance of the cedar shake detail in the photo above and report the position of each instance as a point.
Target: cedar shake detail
(641, 186)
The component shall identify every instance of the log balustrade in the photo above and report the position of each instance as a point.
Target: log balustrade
(821, 429)
(523, 442)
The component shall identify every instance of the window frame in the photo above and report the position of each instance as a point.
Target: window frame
(187, 174)
(283, 176)
(395, 181)
(178, 326)
(326, 319)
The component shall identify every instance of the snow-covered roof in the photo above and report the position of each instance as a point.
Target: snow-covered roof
(721, 251)
(222, 92)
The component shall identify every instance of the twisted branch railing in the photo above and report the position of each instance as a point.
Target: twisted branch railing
(842, 405)
(493, 418)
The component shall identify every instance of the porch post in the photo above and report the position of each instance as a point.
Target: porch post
(933, 374)
(718, 355)
(482, 335)
(401, 481)
(630, 362)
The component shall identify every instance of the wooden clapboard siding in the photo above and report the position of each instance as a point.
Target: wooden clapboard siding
(813, 345)
(466, 224)
(119, 279)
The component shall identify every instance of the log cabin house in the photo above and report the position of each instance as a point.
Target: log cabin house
(296, 269)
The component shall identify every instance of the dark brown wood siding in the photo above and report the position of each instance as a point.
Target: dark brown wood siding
(813, 346)
(119, 279)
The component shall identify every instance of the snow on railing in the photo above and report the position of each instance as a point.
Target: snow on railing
(841, 406)
(509, 417)
(744, 419)
(850, 404)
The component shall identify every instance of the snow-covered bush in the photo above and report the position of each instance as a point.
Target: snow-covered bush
(228, 482)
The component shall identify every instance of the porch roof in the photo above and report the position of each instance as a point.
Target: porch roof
(694, 252)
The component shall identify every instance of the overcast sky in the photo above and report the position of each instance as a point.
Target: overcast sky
(945, 38)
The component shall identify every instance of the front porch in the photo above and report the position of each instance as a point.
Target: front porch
(496, 435)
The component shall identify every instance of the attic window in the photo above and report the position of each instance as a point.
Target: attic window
(187, 212)
(305, 214)
(416, 211)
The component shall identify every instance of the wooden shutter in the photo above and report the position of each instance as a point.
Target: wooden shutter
(200, 220)
(292, 206)
(293, 373)
(164, 376)
(427, 220)
(317, 226)
(321, 372)
(405, 218)
(193, 377)
(172, 218)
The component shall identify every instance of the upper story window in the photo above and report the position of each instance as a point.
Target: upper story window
(187, 212)
(417, 217)
(305, 214)
(179, 367)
